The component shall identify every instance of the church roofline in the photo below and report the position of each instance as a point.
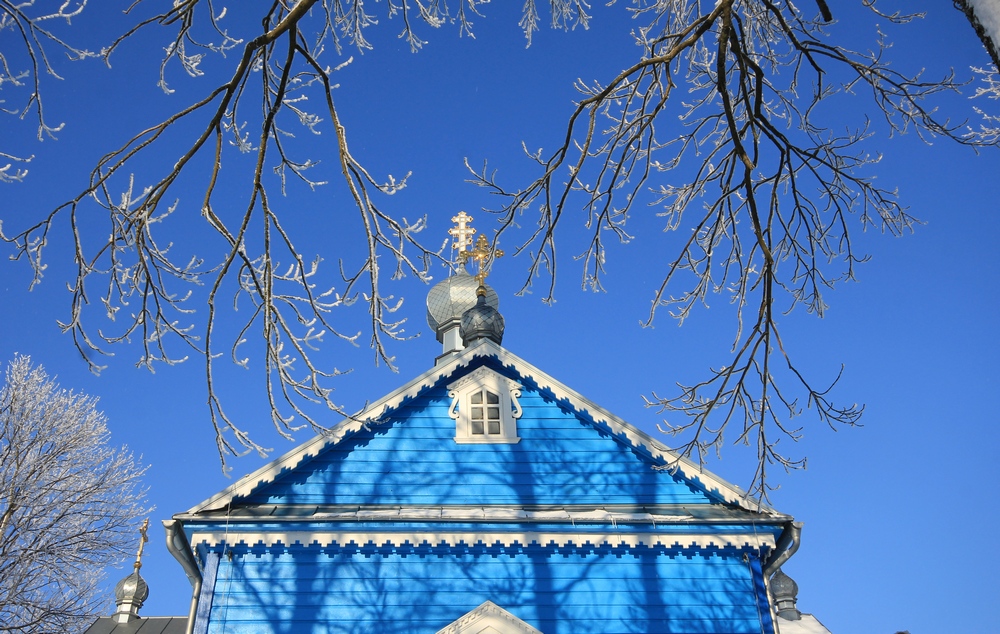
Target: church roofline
(151, 624)
(483, 348)
(501, 513)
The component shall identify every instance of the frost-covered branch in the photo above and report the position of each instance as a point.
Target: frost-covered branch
(25, 58)
(728, 125)
(280, 63)
(719, 127)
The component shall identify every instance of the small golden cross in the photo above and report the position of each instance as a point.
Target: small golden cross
(142, 543)
(480, 255)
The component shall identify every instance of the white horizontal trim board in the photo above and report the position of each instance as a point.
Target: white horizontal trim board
(507, 540)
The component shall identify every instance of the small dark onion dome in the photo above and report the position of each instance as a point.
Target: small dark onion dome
(448, 300)
(132, 589)
(482, 321)
(785, 592)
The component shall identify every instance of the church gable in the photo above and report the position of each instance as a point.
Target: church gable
(412, 459)
(562, 450)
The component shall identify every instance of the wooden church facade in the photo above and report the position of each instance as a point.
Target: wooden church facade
(482, 496)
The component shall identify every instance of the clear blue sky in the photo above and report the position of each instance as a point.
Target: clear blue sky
(899, 518)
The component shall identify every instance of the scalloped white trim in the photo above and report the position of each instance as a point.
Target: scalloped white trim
(468, 538)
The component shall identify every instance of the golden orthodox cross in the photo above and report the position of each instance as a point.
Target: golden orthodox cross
(142, 543)
(480, 255)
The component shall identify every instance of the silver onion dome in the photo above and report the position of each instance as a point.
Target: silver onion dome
(450, 298)
(132, 589)
(482, 321)
(785, 591)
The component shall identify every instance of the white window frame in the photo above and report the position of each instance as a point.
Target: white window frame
(461, 392)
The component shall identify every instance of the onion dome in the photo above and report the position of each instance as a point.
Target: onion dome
(130, 593)
(785, 591)
(132, 589)
(482, 321)
(449, 299)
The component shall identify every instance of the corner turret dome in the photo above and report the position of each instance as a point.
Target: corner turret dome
(132, 589)
(785, 591)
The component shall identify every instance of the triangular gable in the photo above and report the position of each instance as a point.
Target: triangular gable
(476, 355)
(488, 618)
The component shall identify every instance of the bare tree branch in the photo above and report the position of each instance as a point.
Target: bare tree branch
(746, 157)
(142, 276)
(764, 183)
(23, 64)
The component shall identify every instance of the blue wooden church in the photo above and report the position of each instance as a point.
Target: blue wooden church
(483, 496)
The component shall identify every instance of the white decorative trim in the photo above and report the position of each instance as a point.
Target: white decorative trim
(488, 618)
(480, 349)
(510, 410)
(506, 540)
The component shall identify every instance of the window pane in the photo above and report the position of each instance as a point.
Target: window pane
(477, 398)
(493, 412)
(477, 413)
(492, 398)
(477, 427)
(494, 427)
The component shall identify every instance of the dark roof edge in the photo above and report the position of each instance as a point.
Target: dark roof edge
(143, 625)
(694, 514)
(991, 46)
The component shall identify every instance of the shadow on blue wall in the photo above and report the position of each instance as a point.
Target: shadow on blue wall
(381, 585)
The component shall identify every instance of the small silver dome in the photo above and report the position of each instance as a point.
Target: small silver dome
(450, 298)
(783, 586)
(133, 589)
(482, 320)
(785, 591)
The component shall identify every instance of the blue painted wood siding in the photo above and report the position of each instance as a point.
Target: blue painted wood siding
(412, 459)
(323, 590)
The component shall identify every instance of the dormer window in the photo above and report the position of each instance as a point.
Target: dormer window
(485, 408)
(484, 412)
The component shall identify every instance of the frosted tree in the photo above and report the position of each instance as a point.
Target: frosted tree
(69, 504)
(715, 127)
